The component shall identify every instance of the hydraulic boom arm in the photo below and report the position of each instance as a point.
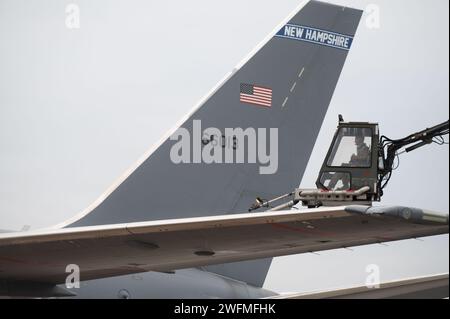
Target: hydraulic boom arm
(389, 149)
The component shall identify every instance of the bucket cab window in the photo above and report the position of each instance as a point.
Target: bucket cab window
(352, 148)
(336, 181)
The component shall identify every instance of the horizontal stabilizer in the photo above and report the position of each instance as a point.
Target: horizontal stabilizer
(105, 251)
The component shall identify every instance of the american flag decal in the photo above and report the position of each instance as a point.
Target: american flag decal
(257, 95)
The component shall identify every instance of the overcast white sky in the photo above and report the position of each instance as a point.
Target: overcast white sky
(78, 107)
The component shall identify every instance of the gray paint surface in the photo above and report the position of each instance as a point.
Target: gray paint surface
(183, 284)
(160, 189)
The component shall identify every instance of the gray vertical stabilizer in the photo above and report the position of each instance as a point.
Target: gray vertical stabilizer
(297, 69)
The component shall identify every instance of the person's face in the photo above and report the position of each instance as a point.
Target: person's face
(359, 140)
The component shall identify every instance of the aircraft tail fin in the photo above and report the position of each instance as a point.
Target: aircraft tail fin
(278, 96)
